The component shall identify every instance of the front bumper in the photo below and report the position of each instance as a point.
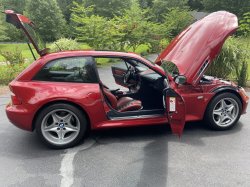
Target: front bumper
(21, 115)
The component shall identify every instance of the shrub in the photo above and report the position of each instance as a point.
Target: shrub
(231, 61)
(14, 57)
(145, 53)
(176, 20)
(65, 44)
(9, 73)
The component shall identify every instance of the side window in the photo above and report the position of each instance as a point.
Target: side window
(116, 62)
(73, 69)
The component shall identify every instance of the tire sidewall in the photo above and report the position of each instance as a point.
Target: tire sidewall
(208, 117)
(76, 111)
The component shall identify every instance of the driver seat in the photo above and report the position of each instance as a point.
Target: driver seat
(123, 104)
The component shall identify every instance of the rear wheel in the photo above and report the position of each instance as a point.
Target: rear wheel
(61, 125)
(223, 111)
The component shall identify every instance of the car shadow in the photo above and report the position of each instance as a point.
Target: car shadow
(155, 159)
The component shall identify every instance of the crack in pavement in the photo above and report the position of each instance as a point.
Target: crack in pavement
(67, 168)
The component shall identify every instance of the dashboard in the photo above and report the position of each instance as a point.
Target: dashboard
(147, 77)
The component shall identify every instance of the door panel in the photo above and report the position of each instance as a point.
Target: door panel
(175, 109)
(118, 74)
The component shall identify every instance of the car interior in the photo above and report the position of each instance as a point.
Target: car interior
(144, 96)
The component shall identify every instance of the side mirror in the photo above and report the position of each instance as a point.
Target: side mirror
(180, 79)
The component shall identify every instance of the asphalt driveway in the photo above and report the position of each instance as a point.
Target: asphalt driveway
(139, 156)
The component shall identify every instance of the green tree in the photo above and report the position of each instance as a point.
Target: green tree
(12, 33)
(92, 29)
(17, 6)
(137, 29)
(162, 7)
(145, 3)
(241, 68)
(3, 29)
(195, 5)
(177, 19)
(47, 16)
(238, 7)
(107, 8)
(65, 6)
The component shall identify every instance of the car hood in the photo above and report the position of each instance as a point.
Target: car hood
(193, 50)
(29, 29)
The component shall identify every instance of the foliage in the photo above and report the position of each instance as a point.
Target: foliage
(130, 30)
(65, 44)
(195, 5)
(47, 16)
(245, 26)
(65, 6)
(136, 29)
(177, 19)
(14, 57)
(107, 8)
(9, 73)
(237, 7)
(231, 61)
(94, 30)
(241, 71)
(161, 7)
(3, 29)
(145, 3)
(17, 6)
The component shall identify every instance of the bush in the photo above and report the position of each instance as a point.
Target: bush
(9, 73)
(145, 53)
(231, 61)
(14, 57)
(65, 44)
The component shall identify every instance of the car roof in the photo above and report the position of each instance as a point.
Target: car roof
(91, 52)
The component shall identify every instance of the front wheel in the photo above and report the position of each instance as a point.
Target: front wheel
(61, 125)
(223, 111)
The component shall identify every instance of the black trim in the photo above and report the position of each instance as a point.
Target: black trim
(113, 114)
(10, 20)
(221, 88)
(31, 51)
(169, 92)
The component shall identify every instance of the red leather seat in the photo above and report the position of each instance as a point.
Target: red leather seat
(105, 86)
(123, 104)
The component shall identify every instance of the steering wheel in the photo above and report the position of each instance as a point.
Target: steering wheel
(129, 74)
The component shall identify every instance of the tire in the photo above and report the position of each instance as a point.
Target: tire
(61, 125)
(223, 111)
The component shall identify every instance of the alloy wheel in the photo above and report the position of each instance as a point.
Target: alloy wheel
(60, 126)
(225, 112)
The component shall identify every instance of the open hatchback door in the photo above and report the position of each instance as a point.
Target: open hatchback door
(175, 109)
(29, 28)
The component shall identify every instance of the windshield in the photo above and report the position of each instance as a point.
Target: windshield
(32, 30)
(148, 60)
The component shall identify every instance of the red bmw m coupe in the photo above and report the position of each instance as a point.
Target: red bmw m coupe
(61, 94)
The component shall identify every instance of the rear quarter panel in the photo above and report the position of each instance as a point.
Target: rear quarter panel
(39, 93)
